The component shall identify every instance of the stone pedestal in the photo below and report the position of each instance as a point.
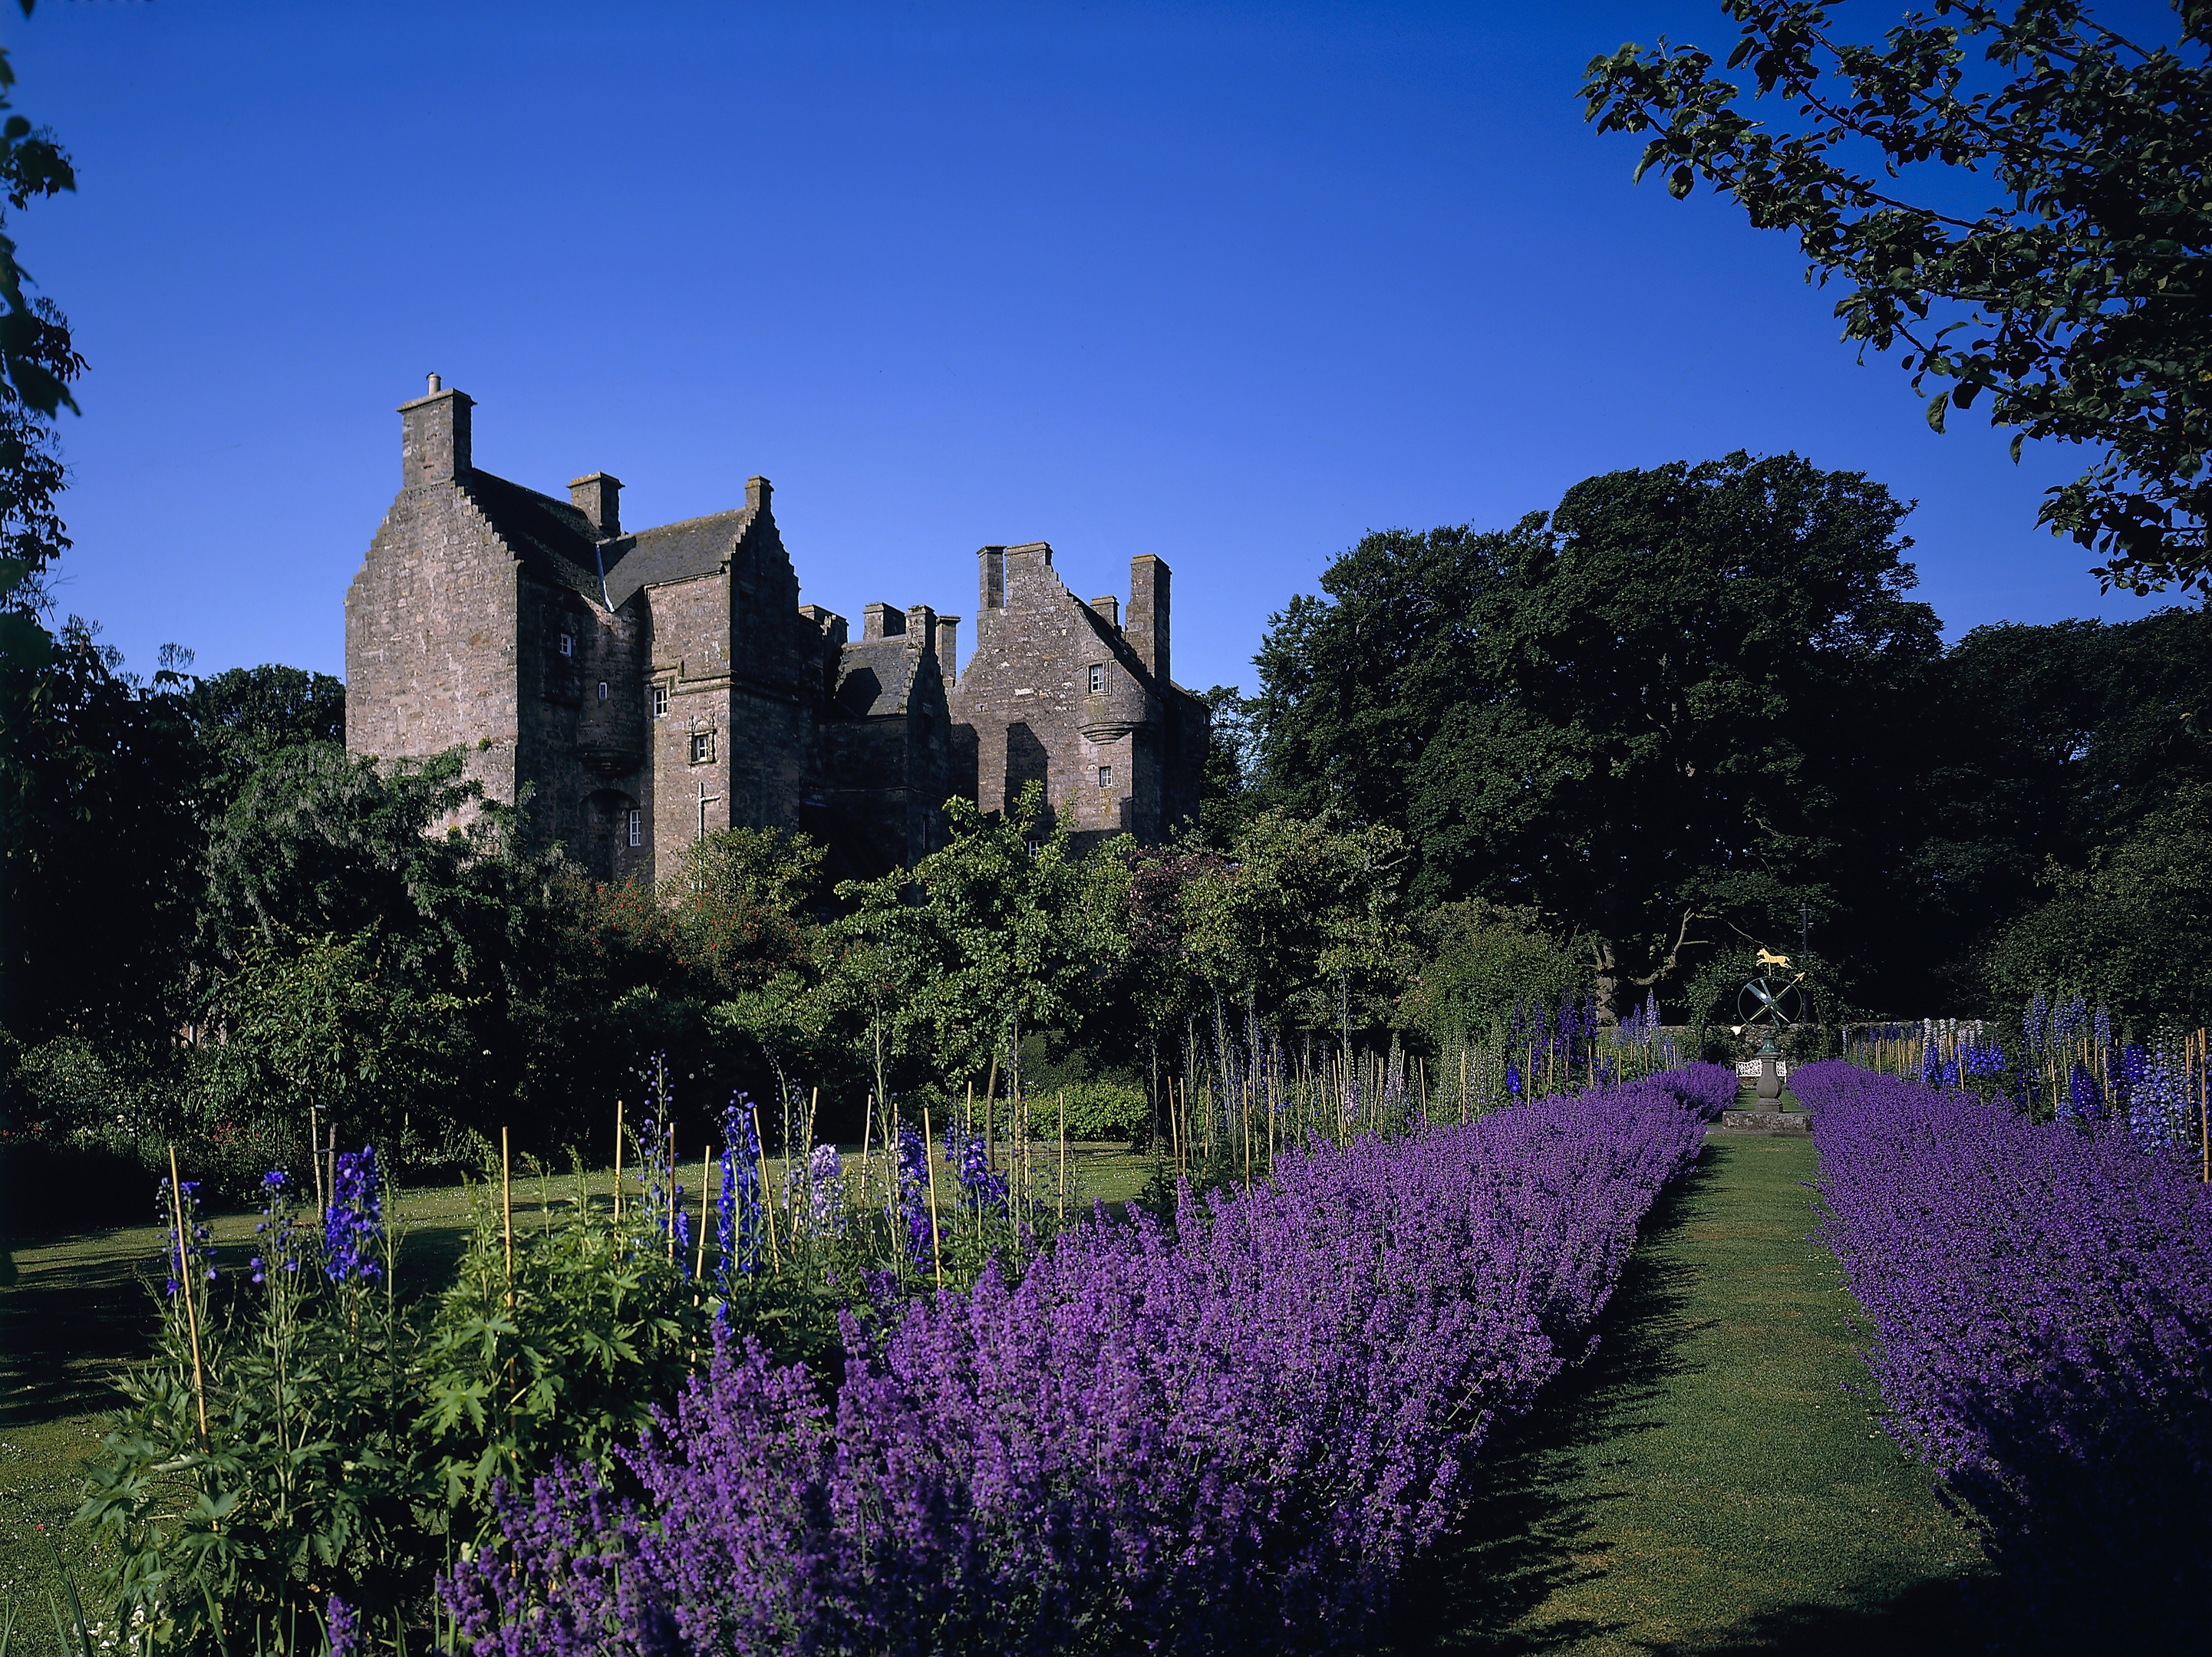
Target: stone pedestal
(1766, 1120)
(1770, 1079)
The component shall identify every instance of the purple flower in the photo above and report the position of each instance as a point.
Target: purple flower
(354, 1218)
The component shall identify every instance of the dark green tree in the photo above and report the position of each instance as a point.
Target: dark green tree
(1686, 699)
(2077, 293)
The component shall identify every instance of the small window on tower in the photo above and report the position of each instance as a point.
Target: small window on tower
(603, 690)
(637, 828)
(1105, 776)
(703, 747)
(660, 701)
(1098, 680)
(568, 644)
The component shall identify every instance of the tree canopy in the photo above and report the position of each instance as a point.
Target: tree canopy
(2076, 293)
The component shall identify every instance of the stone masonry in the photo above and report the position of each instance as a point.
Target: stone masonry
(633, 690)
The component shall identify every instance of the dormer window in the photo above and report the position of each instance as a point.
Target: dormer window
(1098, 680)
(568, 644)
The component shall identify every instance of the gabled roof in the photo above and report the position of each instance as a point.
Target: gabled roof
(553, 539)
(876, 676)
(673, 552)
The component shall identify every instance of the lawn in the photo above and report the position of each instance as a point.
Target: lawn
(1708, 1482)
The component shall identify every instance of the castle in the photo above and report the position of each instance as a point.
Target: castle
(639, 689)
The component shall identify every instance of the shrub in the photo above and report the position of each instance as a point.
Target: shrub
(2041, 1297)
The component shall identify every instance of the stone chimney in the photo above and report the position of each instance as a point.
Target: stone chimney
(993, 583)
(948, 648)
(757, 491)
(881, 621)
(598, 497)
(435, 446)
(828, 622)
(921, 624)
(1148, 631)
(1109, 607)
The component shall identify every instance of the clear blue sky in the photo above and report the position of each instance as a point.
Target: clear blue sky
(1230, 284)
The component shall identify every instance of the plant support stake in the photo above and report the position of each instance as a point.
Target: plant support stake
(184, 1288)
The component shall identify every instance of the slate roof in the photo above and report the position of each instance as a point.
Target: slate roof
(551, 538)
(876, 677)
(698, 546)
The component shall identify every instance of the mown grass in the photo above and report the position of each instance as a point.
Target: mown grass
(79, 1312)
(1708, 1482)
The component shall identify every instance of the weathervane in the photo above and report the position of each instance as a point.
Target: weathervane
(1769, 1004)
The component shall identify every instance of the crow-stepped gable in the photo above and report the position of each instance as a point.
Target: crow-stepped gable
(637, 688)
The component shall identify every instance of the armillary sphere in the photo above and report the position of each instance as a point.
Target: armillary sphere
(1772, 1003)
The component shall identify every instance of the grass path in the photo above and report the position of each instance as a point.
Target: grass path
(1705, 1484)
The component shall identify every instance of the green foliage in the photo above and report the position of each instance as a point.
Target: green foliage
(101, 864)
(1690, 695)
(1302, 922)
(2074, 296)
(305, 1484)
(2127, 930)
(949, 962)
(328, 1023)
(246, 712)
(1480, 963)
(597, 1328)
(1104, 1110)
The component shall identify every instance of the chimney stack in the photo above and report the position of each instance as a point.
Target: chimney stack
(435, 445)
(881, 621)
(757, 491)
(598, 497)
(1148, 631)
(1109, 607)
(948, 648)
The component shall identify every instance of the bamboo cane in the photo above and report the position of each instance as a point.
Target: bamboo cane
(507, 1213)
(315, 1163)
(1247, 1103)
(929, 1161)
(184, 1288)
(1063, 1156)
(706, 1174)
(768, 1204)
(618, 1151)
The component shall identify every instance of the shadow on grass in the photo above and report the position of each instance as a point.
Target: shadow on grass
(1526, 1530)
(1929, 1619)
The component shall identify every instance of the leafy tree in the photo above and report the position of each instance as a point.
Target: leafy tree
(1480, 962)
(2056, 740)
(98, 870)
(2075, 297)
(252, 710)
(1001, 930)
(1228, 794)
(1693, 700)
(2127, 929)
(1354, 687)
(327, 1022)
(1689, 695)
(1302, 923)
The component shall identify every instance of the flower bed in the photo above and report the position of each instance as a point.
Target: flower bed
(1230, 1435)
(2041, 1297)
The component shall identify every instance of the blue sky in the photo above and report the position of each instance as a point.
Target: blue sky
(1230, 284)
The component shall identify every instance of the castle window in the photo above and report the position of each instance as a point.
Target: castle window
(1105, 776)
(1098, 681)
(703, 747)
(603, 690)
(637, 828)
(568, 644)
(660, 701)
